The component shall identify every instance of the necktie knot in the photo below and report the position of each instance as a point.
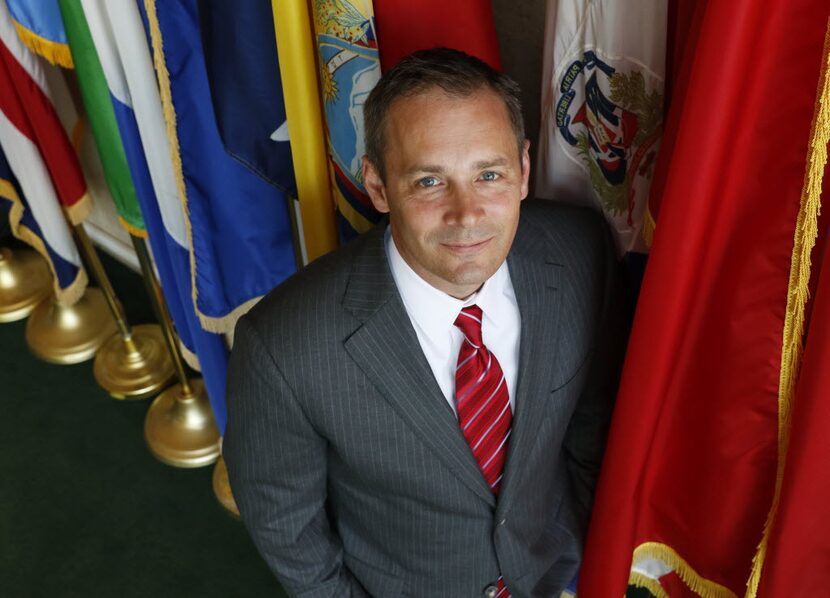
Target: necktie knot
(469, 322)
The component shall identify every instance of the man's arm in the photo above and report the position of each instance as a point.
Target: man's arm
(277, 469)
(587, 432)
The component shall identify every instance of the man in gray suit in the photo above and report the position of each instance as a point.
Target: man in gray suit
(423, 412)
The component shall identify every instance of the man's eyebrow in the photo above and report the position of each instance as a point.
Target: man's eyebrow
(426, 169)
(439, 169)
(490, 163)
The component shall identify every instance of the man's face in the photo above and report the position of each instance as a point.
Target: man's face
(454, 182)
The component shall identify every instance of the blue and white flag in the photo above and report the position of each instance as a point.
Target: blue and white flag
(238, 226)
(121, 44)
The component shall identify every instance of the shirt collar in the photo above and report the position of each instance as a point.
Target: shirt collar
(433, 310)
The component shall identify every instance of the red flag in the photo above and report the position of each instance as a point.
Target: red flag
(404, 26)
(799, 551)
(682, 35)
(692, 461)
(25, 101)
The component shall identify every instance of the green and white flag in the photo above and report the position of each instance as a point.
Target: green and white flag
(98, 102)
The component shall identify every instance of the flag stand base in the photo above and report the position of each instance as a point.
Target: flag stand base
(222, 488)
(67, 334)
(180, 429)
(25, 281)
(136, 367)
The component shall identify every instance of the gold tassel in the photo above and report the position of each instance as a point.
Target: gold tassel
(806, 232)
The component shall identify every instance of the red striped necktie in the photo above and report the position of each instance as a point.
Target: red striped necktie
(482, 403)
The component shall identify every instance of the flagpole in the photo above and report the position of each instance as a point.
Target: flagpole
(160, 309)
(315, 213)
(132, 364)
(180, 429)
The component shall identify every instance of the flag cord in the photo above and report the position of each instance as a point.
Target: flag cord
(798, 293)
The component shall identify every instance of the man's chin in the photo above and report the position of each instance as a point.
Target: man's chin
(471, 276)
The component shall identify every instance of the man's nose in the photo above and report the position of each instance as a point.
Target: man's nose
(465, 208)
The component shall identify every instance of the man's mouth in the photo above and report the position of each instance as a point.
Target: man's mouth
(467, 246)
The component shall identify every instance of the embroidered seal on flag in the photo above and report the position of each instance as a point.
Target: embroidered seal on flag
(349, 70)
(609, 115)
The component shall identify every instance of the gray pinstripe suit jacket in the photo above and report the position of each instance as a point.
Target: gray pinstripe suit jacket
(347, 463)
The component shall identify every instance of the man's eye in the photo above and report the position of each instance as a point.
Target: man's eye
(489, 176)
(428, 181)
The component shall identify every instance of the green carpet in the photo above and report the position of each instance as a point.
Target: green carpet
(85, 510)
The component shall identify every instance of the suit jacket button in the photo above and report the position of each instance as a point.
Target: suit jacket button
(490, 591)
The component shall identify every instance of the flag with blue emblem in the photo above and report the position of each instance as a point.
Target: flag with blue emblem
(602, 110)
(349, 69)
(39, 25)
(124, 87)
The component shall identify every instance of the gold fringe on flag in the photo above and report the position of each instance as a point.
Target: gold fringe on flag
(649, 226)
(657, 551)
(54, 52)
(76, 288)
(638, 580)
(226, 323)
(79, 210)
(798, 292)
(136, 232)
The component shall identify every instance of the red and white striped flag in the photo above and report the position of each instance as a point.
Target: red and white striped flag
(31, 92)
(38, 149)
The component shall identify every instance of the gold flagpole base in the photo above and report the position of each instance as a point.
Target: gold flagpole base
(25, 281)
(222, 488)
(136, 368)
(180, 429)
(68, 334)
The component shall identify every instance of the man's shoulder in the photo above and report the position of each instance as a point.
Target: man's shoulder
(315, 290)
(565, 231)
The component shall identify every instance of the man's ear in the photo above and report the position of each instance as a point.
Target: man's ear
(374, 186)
(525, 157)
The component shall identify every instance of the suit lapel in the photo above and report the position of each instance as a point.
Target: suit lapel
(386, 349)
(536, 278)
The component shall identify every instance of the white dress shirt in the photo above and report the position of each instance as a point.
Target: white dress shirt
(433, 313)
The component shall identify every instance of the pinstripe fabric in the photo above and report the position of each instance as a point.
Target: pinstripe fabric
(347, 463)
